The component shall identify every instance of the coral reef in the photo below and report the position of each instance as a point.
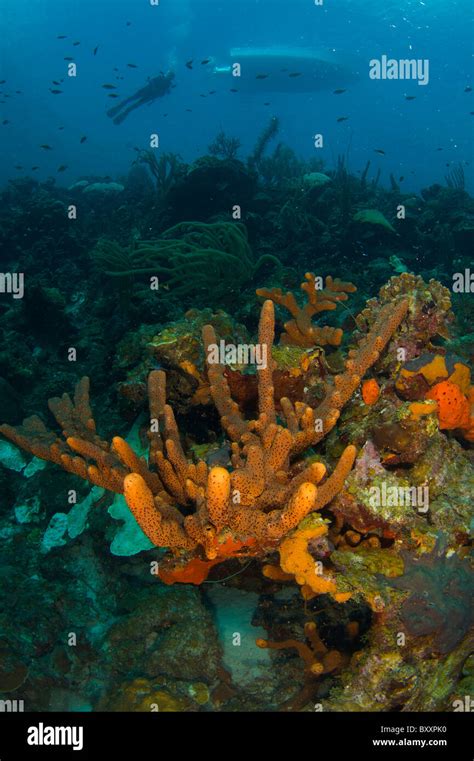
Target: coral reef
(246, 511)
(230, 478)
(429, 315)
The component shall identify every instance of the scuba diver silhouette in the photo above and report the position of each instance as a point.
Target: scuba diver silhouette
(155, 88)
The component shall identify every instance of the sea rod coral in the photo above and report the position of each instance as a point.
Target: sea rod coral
(205, 515)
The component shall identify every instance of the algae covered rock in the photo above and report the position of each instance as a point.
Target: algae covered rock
(168, 632)
(315, 179)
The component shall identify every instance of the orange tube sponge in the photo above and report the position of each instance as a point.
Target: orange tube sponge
(453, 406)
(317, 657)
(162, 532)
(218, 494)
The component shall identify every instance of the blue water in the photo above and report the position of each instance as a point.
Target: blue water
(165, 37)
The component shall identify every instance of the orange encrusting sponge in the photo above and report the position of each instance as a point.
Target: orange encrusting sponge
(453, 406)
(370, 391)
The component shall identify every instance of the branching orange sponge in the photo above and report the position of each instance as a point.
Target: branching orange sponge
(300, 331)
(204, 515)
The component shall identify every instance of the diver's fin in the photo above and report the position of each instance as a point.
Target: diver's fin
(112, 111)
(121, 117)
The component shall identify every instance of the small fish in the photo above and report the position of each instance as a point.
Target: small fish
(189, 110)
(232, 89)
(115, 69)
(342, 119)
(2, 81)
(165, 114)
(109, 87)
(202, 96)
(471, 113)
(46, 147)
(295, 74)
(61, 36)
(60, 128)
(132, 66)
(267, 103)
(68, 58)
(400, 179)
(94, 52)
(75, 44)
(34, 168)
(379, 150)
(338, 92)
(62, 168)
(55, 82)
(18, 92)
(439, 149)
(6, 121)
(468, 89)
(410, 97)
(206, 60)
(112, 95)
(83, 139)
(19, 167)
(212, 92)
(129, 23)
(56, 92)
(261, 76)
